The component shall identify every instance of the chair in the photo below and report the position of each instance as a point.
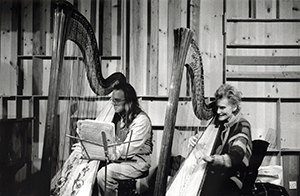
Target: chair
(128, 187)
(250, 188)
(259, 150)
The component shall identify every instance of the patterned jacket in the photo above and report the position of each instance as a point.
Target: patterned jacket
(233, 149)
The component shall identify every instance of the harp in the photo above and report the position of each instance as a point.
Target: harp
(69, 24)
(191, 170)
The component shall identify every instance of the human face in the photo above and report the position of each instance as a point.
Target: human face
(118, 101)
(225, 109)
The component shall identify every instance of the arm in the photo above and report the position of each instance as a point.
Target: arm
(140, 129)
(240, 149)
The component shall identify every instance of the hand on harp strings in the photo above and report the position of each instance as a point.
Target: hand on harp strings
(77, 147)
(200, 155)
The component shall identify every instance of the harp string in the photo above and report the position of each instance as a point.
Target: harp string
(77, 106)
(183, 181)
(182, 38)
(193, 122)
(69, 24)
(69, 73)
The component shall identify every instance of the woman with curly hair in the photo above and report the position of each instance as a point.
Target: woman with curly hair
(227, 166)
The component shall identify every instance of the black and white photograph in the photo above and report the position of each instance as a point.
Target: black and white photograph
(150, 97)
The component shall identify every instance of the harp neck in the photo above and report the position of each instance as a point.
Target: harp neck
(69, 24)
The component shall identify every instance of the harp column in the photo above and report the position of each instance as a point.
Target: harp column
(61, 21)
(182, 42)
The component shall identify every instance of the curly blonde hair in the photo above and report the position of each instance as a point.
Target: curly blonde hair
(231, 93)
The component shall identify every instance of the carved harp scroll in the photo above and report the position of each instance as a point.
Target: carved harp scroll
(69, 24)
(182, 43)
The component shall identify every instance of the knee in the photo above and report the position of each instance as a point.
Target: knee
(101, 176)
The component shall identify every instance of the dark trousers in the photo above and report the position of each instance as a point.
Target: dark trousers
(218, 185)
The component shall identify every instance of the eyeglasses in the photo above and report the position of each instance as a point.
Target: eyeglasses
(117, 101)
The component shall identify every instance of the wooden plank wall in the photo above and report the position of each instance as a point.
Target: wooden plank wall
(264, 36)
(139, 33)
(8, 51)
(135, 37)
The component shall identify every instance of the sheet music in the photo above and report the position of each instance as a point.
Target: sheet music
(90, 133)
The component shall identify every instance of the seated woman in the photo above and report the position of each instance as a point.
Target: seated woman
(230, 158)
(135, 125)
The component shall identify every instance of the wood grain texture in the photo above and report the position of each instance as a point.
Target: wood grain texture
(182, 41)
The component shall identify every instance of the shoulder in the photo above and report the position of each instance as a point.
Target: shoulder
(244, 123)
(142, 117)
(244, 127)
(241, 129)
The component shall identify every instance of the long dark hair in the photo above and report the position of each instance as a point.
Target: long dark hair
(132, 107)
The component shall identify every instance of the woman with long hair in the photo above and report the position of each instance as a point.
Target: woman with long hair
(131, 160)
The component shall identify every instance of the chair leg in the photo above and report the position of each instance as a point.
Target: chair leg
(127, 188)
